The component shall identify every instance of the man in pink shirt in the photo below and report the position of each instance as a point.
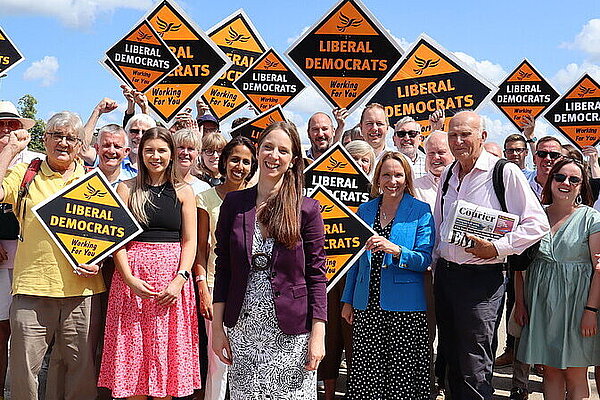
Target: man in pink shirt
(470, 282)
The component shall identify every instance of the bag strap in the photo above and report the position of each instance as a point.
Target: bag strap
(32, 170)
(445, 187)
(498, 182)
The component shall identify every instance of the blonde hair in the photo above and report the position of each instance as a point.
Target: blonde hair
(360, 148)
(393, 155)
(214, 141)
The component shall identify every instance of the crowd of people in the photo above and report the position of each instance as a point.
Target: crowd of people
(224, 292)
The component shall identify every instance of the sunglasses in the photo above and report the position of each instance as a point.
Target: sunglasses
(411, 134)
(137, 131)
(573, 180)
(518, 150)
(552, 154)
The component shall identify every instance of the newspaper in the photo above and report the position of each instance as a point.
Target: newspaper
(468, 218)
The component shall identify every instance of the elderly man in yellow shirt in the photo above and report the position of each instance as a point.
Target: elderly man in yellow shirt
(51, 300)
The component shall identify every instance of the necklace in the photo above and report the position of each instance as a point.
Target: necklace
(164, 185)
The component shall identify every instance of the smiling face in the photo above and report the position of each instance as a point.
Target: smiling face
(552, 150)
(275, 155)
(406, 144)
(156, 155)
(392, 178)
(210, 159)
(111, 149)
(187, 156)
(374, 127)
(62, 147)
(136, 130)
(438, 153)
(466, 137)
(569, 189)
(239, 164)
(320, 133)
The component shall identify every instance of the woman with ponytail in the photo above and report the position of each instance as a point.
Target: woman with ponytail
(270, 284)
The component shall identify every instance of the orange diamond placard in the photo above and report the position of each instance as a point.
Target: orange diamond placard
(142, 58)
(430, 77)
(345, 54)
(524, 92)
(239, 39)
(337, 171)
(269, 82)
(253, 128)
(345, 235)
(202, 62)
(577, 113)
(10, 56)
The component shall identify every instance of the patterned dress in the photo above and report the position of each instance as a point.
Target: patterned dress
(267, 363)
(390, 357)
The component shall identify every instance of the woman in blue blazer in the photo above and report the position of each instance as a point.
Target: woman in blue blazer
(384, 296)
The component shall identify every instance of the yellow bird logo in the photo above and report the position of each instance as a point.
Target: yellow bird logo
(236, 37)
(585, 90)
(93, 192)
(269, 64)
(424, 64)
(346, 23)
(143, 36)
(333, 164)
(326, 208)
(166, 26)
(523, 75)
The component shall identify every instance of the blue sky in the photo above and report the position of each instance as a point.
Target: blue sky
(62, 41)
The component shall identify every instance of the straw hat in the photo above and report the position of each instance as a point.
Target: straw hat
(9, 111)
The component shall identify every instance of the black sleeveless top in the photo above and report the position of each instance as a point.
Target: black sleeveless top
(164, 216)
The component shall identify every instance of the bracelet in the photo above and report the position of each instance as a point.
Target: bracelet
(592, 309)
(200, 278)
(184, 274)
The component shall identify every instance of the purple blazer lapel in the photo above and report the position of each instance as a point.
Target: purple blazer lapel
(249, 223)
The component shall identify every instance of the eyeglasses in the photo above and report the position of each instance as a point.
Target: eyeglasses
(552, 154)
(560, 178)
(411, 134)
(59, 136)
(137, 131)
(211, 152)
(517, 150)
(11, 124)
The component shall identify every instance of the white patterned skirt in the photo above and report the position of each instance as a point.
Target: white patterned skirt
(267, 363)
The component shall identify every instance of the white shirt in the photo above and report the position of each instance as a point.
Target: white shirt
(418, 165)
(426, 188)
(477, 188)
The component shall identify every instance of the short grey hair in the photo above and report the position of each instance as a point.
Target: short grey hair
(140, 118)
(114, 128)
(481, 120)
(68, 120)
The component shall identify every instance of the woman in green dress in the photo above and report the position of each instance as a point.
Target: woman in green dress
(559, 305)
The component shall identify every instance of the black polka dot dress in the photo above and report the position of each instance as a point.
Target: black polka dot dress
(390, 359)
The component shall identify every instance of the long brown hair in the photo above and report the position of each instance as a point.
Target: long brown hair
(140, 193)
(281, 213)
(585, 190)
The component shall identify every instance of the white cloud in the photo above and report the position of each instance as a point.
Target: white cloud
(493, 72)
(566, 77)
(72, 13)
(292, 40)
(405, 44)
(588, 40)
(44, 70)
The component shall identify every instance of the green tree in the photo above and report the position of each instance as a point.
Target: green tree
(27, 108)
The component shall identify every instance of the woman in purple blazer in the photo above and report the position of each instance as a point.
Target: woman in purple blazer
(270, 284)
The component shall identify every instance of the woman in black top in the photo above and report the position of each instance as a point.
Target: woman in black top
(151, 337)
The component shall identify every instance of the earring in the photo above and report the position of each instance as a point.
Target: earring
(578, 199)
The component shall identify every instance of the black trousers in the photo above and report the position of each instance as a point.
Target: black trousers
(469, 301)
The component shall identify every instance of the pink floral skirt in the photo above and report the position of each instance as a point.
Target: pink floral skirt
(150, 349)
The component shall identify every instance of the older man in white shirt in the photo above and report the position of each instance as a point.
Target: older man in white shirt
(470, 282)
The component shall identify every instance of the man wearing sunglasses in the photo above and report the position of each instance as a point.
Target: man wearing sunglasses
(470, 282)
(547, 152)
(408, 140)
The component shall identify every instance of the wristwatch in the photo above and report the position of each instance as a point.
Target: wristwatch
(184, 274)
(200, 278)
(532, 140)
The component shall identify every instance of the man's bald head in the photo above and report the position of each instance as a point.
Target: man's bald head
(320, 133)
(466, 135)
